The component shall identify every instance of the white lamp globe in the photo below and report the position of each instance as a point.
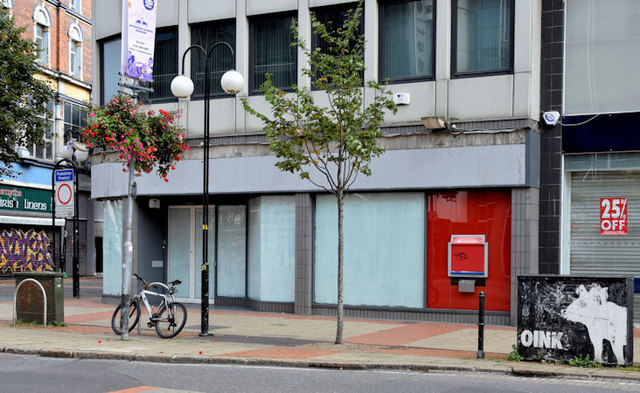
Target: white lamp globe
(181, 86)
(66, 151)
(232, 82)
(81, 151)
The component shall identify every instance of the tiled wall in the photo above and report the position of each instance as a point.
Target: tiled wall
(551, 143)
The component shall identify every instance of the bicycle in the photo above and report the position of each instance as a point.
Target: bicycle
(168, 317)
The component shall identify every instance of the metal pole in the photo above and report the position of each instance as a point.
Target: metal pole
(204, 268)
(128, 258)
(76, 245)
(204, 301)
(480, 353)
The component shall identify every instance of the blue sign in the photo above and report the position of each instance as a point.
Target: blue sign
(64, 175)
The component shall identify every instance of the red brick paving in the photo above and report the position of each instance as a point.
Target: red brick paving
(405, 334)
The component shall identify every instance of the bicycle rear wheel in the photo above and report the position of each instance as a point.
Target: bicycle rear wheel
(134, 317)
(171, 319)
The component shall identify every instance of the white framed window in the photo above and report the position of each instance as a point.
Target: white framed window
(6, 3)
(75, 51)
(75, 5)
(42, 23)
(44, 150)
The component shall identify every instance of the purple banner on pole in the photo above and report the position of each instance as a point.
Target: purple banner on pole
(138, 38)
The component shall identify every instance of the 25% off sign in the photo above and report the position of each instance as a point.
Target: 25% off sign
(64, 193)
(613, 216)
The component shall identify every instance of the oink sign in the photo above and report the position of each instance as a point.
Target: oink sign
(562, 317)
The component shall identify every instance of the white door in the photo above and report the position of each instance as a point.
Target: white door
(185, 251)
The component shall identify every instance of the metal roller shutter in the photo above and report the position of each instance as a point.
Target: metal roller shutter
(592, 253)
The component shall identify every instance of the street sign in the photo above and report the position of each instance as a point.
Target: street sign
(64, 193)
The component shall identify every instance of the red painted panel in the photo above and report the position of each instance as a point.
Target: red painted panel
(469, 213)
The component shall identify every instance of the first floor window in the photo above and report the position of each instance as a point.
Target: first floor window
(407, 31)
(271, 52)
(109, 68)
(483, 41)
(220, 60)
(45, 149)
(165, 64)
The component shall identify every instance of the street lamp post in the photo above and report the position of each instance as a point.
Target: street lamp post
(68, 152)
(182, 87)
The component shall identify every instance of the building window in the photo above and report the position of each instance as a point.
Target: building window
(165, 60)
(6, 3)
(75, 5)
(109, 68)
(271, 52)
(75, 51)
(334, 17)
(75, 119)
(41, 33)
(407, 40)
(44, 150)
(205, 35)
(483, 41)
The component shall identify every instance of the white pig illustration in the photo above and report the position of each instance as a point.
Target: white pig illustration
(603, 319)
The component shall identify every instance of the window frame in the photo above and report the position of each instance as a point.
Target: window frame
(101, 44)
(170, 97)
(255, 90)
(399, 80)
(341, 7)
(39, 151)
(454, 46)
(75, 5)
(7, 4)
(42, 22)
(75, 47)
(192, 71)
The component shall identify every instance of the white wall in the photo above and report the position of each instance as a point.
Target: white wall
(477, 98)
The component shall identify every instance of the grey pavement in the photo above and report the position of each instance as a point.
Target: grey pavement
(247, 337)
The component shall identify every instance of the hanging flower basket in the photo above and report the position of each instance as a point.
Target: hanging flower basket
(151, 140)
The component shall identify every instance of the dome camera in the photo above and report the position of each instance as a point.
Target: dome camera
(551, 118)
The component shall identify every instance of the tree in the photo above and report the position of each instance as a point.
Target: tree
(23, 97)
(337, 141)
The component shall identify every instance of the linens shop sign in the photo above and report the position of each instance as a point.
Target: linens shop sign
(25, 199)
(561, 318)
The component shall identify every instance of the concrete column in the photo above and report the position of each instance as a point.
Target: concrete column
(304, 254)
(524, 240)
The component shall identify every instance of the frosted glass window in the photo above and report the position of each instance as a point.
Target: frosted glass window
(112, 247)
(602, 56)
(384, 261)
(254, 274)
(179, 264)
(232, 240)
(272, 251)
(197, 254)
(278, 249)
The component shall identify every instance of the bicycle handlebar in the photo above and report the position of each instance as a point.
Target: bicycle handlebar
(146, 284)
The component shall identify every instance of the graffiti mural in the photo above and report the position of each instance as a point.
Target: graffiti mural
(24, 250)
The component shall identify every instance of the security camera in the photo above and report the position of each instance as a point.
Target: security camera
(551, 118)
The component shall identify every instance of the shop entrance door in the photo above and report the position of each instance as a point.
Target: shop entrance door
(185, 251)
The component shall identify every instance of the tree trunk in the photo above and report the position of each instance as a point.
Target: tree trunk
(340, 310)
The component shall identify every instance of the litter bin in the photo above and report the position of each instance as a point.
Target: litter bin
(29, 302)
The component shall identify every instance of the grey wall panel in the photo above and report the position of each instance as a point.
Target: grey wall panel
(458, 167)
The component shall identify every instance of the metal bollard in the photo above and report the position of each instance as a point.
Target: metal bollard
(480, 353)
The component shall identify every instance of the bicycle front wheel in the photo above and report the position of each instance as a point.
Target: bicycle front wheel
(134, 316)
(171, 319)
